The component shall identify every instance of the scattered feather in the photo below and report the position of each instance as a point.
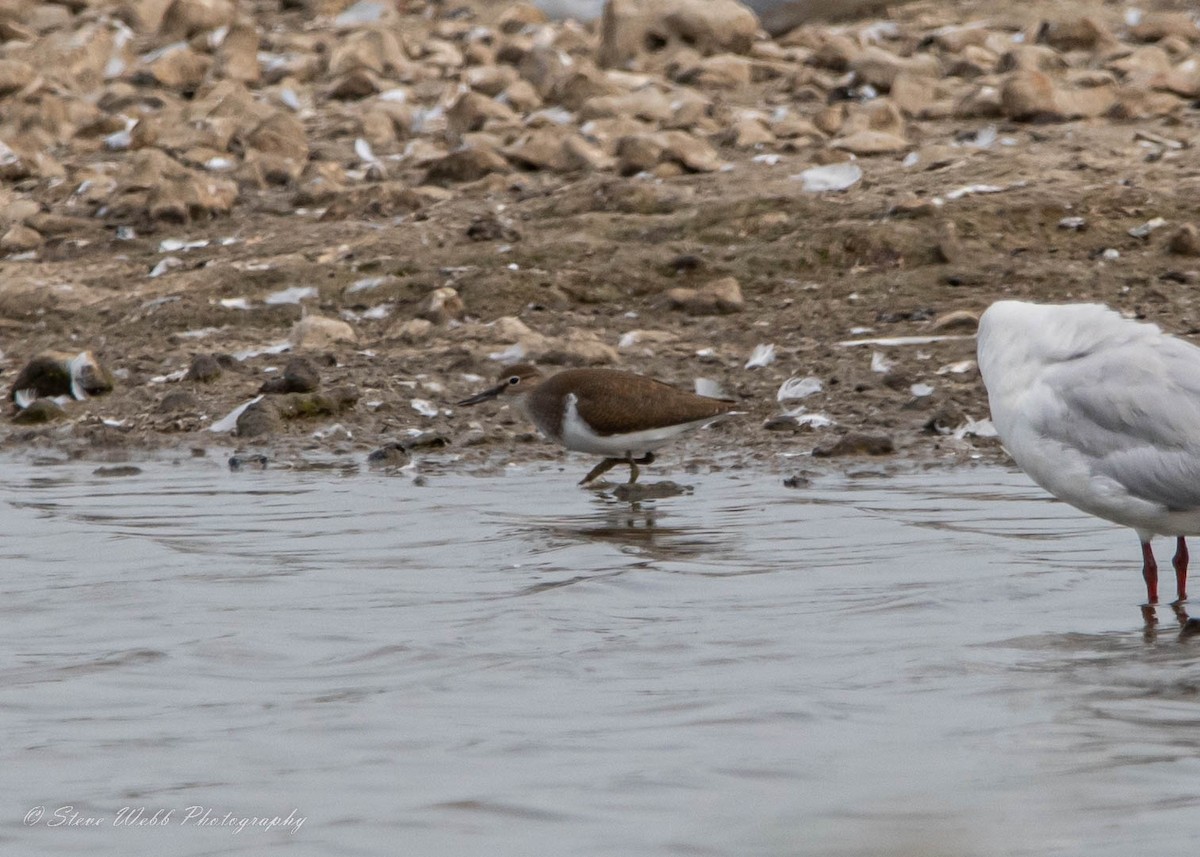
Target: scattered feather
(921, 390)
(247, 353)
(512, 354)
(710, 388)
(292, 295)
(228, 422)
(798, 388)
(957, 368)
(831, 177)
(164, 265)
(175, 245)
(424, 407)
(880, 363)
(762, 355)
(365, 283)
(170, 377)
(904, 340)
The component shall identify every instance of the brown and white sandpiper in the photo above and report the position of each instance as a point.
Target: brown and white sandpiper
(620, 415)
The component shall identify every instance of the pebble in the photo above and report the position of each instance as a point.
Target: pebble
(299, 376)
(717, 297)
(389, 455)
(40, 411)
(204, 369)
(856, 443)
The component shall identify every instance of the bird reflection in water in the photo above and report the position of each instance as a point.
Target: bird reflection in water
(1188, 627)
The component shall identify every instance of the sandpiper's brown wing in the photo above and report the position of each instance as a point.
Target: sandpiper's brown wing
(615, 402)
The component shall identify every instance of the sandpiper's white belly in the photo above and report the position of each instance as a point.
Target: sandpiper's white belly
(577, 435)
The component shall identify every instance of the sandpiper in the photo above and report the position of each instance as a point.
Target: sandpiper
(620, 415)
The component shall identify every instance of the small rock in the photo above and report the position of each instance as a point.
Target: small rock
(718, 297)
(471, 111)
(856, 443)
(467, 165)
(20, 239)
(411, 331)
(389, 455)
(1185, 241)
(427, 440)
(15, 75)
(204, 368)
(630, 29)
(441, 306)
(40, 411)
(316, 332)
(578, 348)
(867, 143)
(179, 400)
(300, 405)
(948, 248)
(299, 376)
(261, 418)
(1033, 95)
(116, 471)
(256, 461)
(185, 18)
(489, 227)
(1071, 34)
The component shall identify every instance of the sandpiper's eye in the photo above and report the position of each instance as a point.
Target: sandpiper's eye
(515, 379)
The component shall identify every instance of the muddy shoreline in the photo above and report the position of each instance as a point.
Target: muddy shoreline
(569, 264)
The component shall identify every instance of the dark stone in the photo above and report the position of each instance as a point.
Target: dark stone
(204, 368)
(427, 440)
(856, 443)
(489, 227)
(178, 400)
(259, 419)
(117, 470)
(40, 411)
(256, 461)
(300, 405)
(299, 376)
(686, 263)
(391, 455)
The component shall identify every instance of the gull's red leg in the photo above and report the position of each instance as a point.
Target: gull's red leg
(1180, 562)
(1150, 573)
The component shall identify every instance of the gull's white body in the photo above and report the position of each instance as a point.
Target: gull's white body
(1101, 411)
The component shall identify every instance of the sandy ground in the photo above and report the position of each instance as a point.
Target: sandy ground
(980, 216)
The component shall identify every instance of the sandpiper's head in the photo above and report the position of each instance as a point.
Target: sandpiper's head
(514, 381)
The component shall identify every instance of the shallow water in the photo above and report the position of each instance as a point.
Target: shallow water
(938, 663)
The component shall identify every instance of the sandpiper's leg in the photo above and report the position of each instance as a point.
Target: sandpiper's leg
(648, 458)
(1180, 562)
(600, 469)
(1150, 573)
(633, 471)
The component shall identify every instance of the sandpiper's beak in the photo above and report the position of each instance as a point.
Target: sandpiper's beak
(485, 396)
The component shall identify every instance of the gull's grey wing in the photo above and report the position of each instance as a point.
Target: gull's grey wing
(1134, 410)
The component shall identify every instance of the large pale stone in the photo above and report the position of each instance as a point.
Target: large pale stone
(633, 28)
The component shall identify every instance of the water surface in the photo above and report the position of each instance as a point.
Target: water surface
(944, 662)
